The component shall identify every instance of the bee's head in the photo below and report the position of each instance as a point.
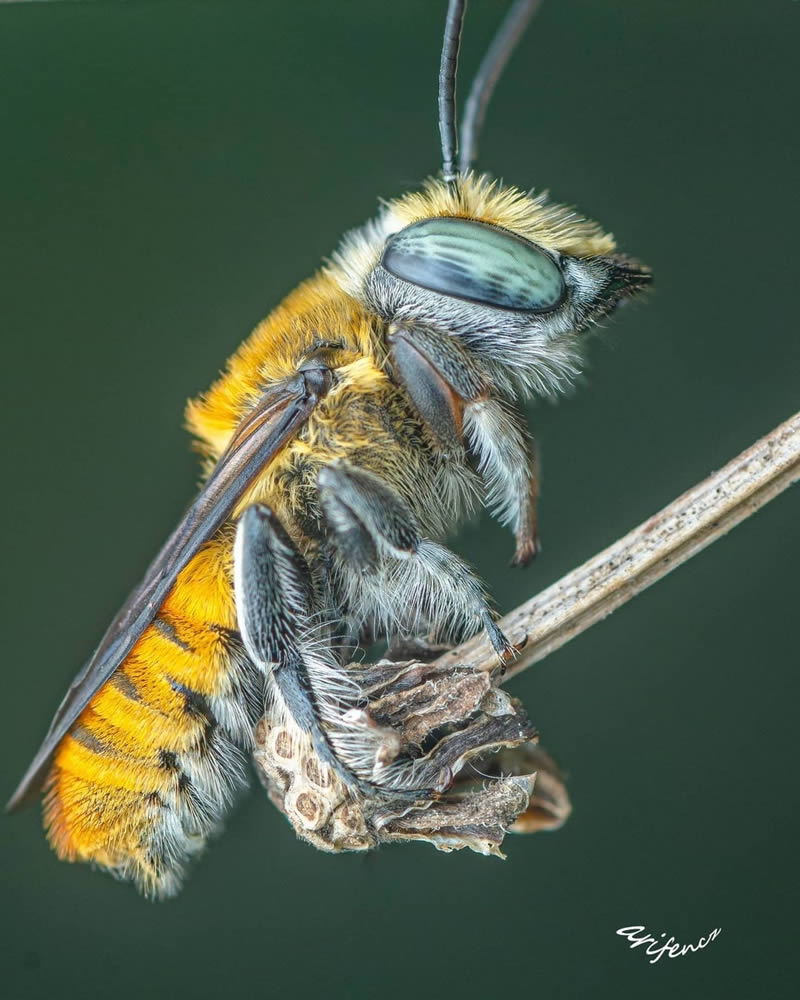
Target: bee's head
(516, 278)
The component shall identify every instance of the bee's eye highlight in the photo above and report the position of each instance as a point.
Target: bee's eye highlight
(475, 261)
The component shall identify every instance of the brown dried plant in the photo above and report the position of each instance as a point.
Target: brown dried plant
(472, 741)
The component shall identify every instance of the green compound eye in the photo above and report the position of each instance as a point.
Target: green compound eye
(475, 261)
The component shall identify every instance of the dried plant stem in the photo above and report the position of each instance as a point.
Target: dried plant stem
(479, 732)
(606, 581)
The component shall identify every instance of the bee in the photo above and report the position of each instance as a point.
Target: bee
(357, 425)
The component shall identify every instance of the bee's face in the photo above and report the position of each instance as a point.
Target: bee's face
(516, 278)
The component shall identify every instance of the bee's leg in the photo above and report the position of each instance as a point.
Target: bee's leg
(497, 437)
(450, 393)
(388, 572)
(274, 604)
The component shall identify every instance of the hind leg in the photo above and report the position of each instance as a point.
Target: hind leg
(387, 574)
(275, 607)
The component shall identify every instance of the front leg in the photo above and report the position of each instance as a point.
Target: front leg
(497, 437)
(451, 395)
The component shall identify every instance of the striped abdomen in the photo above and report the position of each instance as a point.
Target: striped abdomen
(150, 765)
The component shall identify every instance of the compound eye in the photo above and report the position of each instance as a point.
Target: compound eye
(475, 261)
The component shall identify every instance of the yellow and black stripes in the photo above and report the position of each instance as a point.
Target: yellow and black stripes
(147, 771)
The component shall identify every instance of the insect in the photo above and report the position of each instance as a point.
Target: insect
(359, 422)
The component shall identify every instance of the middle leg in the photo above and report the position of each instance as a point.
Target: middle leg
(390, 577)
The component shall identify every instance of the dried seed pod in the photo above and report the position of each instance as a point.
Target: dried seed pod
(469, 744)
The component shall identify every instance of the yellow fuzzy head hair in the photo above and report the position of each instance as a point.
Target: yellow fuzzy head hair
(516, 277)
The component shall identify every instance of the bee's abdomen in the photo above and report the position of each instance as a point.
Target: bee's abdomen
(148, 769)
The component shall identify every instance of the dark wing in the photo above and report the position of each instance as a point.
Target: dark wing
(281, 410)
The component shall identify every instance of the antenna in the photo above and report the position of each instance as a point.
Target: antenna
(448, 67)
(491, 68)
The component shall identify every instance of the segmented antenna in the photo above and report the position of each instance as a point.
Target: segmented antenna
(494, 62)
(448, 68)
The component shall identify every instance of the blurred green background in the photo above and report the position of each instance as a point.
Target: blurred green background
(169, 171)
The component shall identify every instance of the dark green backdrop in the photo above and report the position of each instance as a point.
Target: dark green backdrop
(168, 172)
